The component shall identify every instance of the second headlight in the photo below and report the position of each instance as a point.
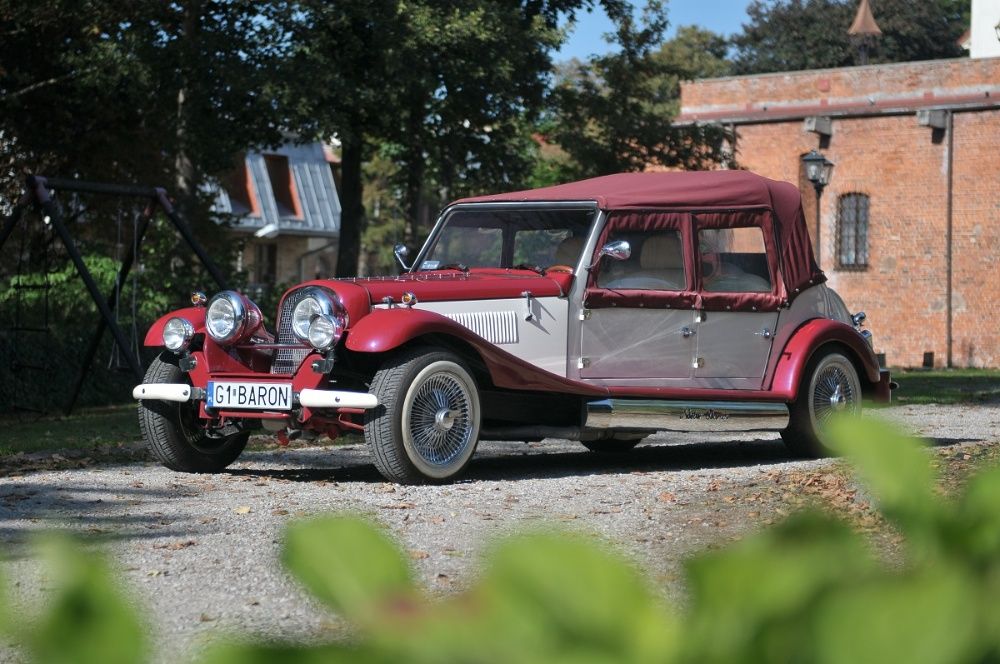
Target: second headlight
(325, 331)
(315, 302)
(231, 318)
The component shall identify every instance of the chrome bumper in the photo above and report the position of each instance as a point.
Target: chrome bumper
(309, 398)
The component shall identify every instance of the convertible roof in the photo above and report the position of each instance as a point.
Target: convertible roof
(697, 190)
(655, 190)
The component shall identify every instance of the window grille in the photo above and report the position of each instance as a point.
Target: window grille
(852, 231)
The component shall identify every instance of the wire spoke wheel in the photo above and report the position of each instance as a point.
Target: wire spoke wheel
(427, 423)
(439, 424)
(829, 388)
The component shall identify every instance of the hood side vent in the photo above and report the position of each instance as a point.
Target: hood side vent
(497, 327)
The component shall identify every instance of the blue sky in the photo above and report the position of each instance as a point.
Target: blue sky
(723, 16)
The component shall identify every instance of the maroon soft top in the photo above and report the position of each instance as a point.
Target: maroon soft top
(697, 190)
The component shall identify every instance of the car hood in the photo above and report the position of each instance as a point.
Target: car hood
(359, 295)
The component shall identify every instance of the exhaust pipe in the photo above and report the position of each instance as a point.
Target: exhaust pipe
(653, 415)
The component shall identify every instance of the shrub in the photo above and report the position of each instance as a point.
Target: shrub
(808, 590)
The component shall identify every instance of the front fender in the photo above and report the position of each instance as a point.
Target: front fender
(385, 330)
(810, 338)
(194, 315)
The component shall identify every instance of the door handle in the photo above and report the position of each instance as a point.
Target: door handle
(766, 333)
(687, 332)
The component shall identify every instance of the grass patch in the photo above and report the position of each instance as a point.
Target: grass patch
(946, 386)
(84, 429)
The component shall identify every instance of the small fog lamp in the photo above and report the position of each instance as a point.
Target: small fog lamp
(177, 334)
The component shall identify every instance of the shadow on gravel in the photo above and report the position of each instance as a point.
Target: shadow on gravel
(513, 461)
(645, 458)
(29, 508)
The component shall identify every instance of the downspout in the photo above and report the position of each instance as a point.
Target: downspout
(303, 256)
(948, 239)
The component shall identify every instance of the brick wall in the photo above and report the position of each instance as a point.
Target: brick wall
(903, 168)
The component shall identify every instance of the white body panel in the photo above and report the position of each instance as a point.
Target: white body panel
(540, 341)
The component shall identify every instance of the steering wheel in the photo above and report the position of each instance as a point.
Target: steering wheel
(559, 268)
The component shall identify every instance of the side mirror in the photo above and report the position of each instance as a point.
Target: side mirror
(401, 252)
(619, 250)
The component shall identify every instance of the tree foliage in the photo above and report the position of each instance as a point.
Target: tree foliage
(789, 35)
(614, 112)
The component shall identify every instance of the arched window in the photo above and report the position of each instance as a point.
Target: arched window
(852, 232)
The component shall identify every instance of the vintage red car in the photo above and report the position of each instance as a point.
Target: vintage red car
(600, 311)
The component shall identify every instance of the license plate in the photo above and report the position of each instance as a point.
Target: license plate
(252, 396)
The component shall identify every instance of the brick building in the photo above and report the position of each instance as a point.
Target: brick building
(909, 224)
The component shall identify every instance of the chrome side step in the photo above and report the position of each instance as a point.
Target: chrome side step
(657, 415)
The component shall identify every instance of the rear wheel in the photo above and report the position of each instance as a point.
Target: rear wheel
(829, 386)
(174, 433)
(426, 426)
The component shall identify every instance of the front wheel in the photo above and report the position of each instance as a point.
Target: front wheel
(829, 386)
(173, 431)
(426, 426)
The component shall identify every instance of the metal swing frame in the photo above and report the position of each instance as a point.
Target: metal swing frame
(38, 194)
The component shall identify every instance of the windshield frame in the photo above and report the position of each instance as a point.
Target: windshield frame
(583, 206)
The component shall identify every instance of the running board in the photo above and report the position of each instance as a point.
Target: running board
(654, 415)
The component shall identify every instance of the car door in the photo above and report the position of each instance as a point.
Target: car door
(738, 297)
(638, 319)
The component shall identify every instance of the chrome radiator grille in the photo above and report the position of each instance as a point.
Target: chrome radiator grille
(287, 360)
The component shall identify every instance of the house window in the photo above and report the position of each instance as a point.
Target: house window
(265, 267)
(283, 185)
(852, 232)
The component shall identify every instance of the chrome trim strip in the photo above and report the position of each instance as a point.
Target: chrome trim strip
(695, 416)
(336, 399)
(163, 391)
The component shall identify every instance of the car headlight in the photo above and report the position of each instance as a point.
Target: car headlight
(316, 302)
(231, 318)
(325, 331)
(177, 334)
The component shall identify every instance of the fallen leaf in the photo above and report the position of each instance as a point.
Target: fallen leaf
(242, 510)
(666, 497)
(418, 555)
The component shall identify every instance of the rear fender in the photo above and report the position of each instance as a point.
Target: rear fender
(385, 330)
(809, 339)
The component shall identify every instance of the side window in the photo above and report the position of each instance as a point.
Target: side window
(852, 231)
(733, 260)
(657, 263)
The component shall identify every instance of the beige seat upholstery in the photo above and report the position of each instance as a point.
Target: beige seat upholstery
(662, 259)
(568, 251)
(660, 266)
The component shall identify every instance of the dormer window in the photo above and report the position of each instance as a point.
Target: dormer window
(242, 194)
(283, 185)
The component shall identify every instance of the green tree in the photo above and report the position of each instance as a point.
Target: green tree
(449, 88)
(788, 35)
(613, 113)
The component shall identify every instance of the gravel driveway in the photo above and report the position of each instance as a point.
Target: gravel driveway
(199, 553)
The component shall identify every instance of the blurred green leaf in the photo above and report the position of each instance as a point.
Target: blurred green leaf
(923, 617)
(976, 528)
(247, 653)
(575, 601)
(896, 468)
(747, 600)
(88, 621)
(349, 564)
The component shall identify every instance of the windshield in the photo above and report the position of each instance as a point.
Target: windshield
(508, 239)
